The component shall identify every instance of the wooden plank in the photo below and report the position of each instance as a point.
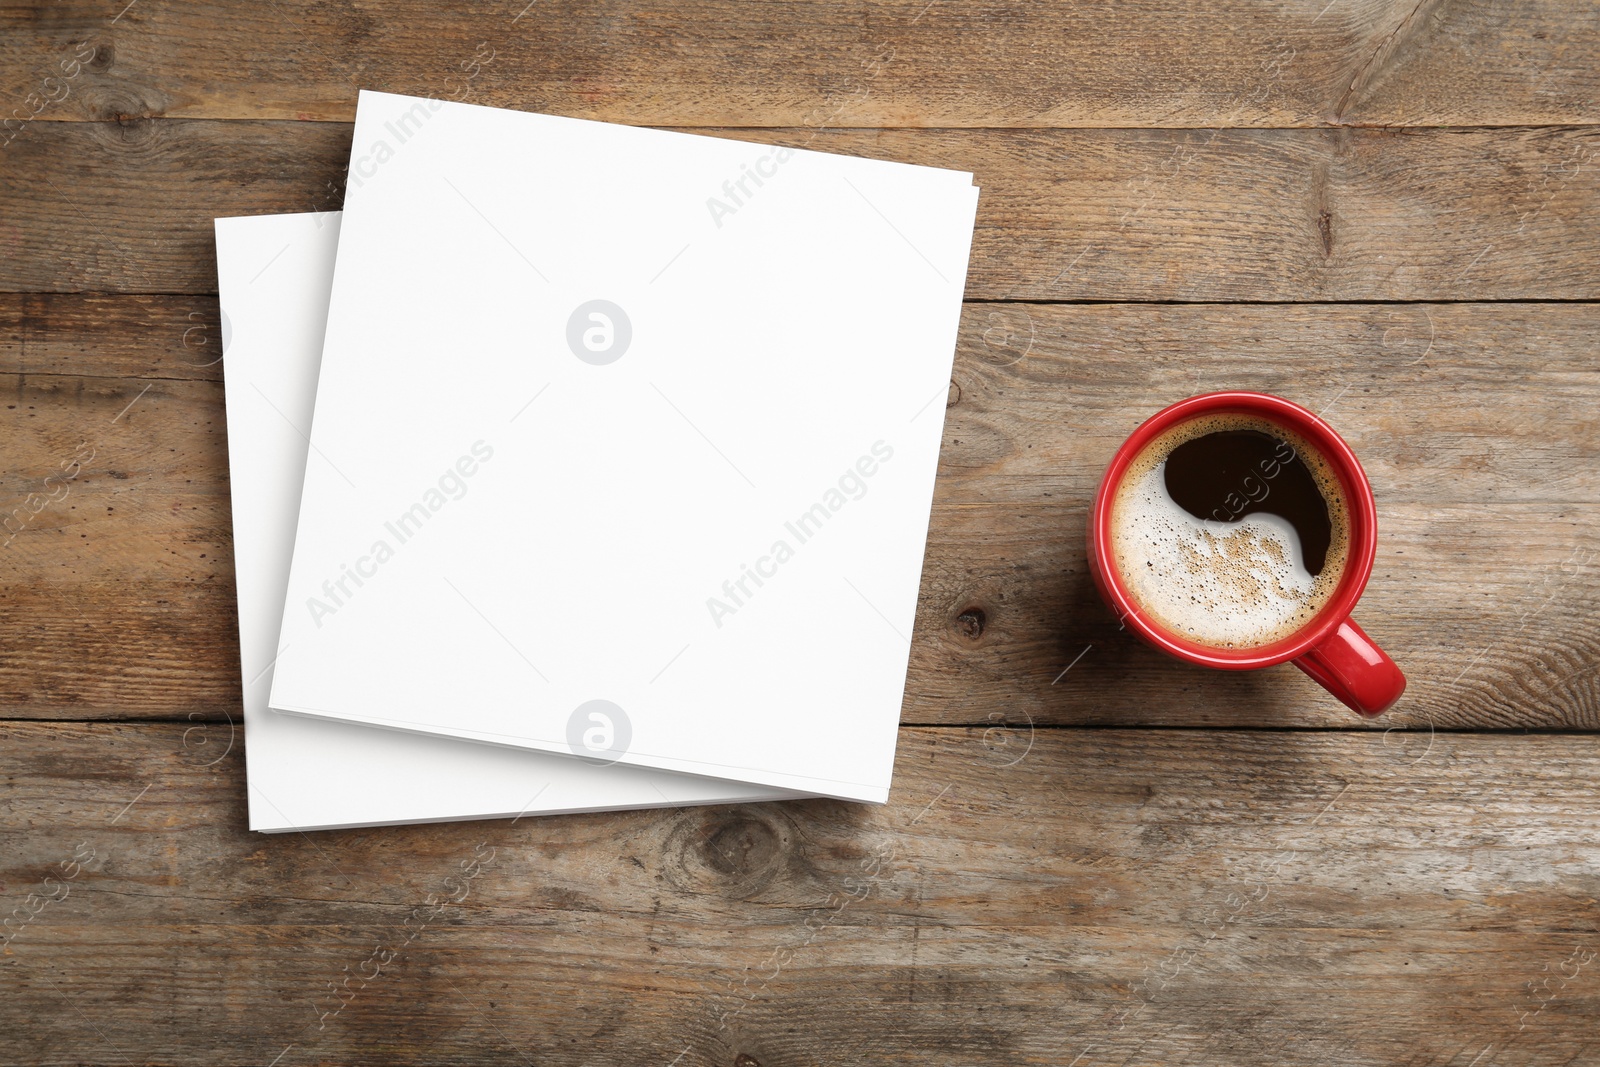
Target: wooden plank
(117, 600)
(1108, 897)
(827, 62)
(1126, 215)
(101, 335)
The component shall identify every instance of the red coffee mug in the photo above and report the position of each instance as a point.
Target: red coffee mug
(1331, 648)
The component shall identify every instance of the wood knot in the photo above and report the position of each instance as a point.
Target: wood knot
(735, 852)
(125, 116)
(970, 623)
(105, 54)
(737, 845)
(744, 1059)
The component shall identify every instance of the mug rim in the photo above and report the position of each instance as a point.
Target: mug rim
(1361, 508)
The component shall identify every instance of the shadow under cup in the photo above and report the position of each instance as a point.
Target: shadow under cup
(1330, 647)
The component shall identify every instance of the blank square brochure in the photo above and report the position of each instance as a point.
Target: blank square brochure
(274, 273)
(625, 444)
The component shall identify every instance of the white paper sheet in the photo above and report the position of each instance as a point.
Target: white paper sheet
(625, 423)
(274, 274)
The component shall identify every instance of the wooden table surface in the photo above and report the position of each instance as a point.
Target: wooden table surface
(1384, 211)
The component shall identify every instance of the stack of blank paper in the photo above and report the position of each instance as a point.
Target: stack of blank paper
(621, 464)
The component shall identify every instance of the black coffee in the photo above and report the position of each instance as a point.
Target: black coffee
(1230, 530)
(1229, 474)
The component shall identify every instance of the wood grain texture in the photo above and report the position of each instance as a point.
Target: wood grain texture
(118, 598)
(922, 63)
(1125, 215)
(1388, 177)
(1084, 896)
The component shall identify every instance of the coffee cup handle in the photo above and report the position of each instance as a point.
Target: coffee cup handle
(1352, 668)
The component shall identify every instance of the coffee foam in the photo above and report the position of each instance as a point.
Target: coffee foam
(1238, 584)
